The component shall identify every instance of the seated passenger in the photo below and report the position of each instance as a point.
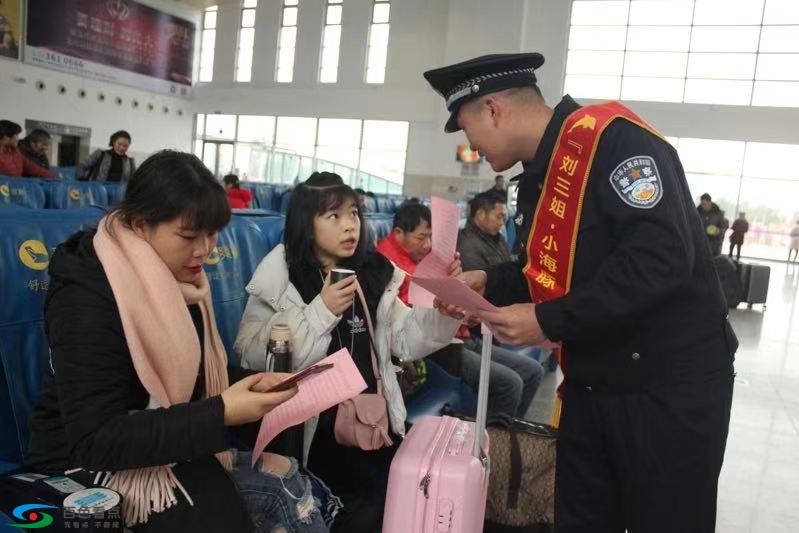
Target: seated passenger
(140, 394)
(36, 147)
(514, 377)
(239, 198)
(13, 163)
(325, 229)
(109, 165)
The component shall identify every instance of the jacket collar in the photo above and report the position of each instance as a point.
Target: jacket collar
(394, 252)
(271, 278)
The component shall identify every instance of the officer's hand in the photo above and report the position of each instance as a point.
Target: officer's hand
(515, 324)
(476, 279)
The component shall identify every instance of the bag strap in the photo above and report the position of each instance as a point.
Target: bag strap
(373, 348)
(515, 481)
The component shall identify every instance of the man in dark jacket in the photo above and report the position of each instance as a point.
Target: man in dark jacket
(36, 147)
(481, 242)
(616, 268)
(714, 222)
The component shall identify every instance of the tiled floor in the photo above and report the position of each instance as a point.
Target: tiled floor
(759, 485)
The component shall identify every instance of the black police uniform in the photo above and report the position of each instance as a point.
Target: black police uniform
(650, 352)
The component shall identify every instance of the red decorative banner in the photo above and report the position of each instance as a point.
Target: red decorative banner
(552, 242)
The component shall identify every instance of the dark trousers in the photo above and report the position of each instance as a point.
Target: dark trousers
(358, 477)
(715, 245)
(645, 462)
(738, 254)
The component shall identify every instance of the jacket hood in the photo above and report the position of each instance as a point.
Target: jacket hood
(75, 261)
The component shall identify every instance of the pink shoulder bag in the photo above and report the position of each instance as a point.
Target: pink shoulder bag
(362, 422)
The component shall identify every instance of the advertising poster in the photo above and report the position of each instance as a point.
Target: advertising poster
(9, 28)
(119, 41)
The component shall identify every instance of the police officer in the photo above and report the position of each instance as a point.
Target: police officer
(642, 319)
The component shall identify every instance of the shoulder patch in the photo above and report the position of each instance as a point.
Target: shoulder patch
(637, 182)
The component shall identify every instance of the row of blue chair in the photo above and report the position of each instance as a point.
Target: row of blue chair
(275, 197)
(57, 194)
(61, 194)
(266, 196)
(27, 239)
(379, 225)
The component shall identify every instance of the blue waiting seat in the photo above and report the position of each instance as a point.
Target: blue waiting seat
(279, 190)
(370, 204)
(23, 192)
(285, 198)
(264, 196)
(239, 250)
(115, 191)
(66, 195)
(385, 205)
(380, 224)
(27, 240)
(270, 223)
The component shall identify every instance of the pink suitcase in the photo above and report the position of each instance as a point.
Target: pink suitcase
(439, 477)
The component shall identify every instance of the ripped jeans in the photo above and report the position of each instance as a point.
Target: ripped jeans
(277, 504)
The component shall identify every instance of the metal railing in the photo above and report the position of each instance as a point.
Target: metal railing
(275, 165)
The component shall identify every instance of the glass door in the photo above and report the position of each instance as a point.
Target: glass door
(218, 157)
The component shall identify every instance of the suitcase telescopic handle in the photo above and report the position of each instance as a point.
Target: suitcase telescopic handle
(482, 394)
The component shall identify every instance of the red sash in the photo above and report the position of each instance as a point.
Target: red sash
(552, 243)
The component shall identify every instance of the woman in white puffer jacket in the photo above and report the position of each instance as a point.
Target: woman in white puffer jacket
(325, 229)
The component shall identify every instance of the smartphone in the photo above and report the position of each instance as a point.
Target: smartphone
(299, 376)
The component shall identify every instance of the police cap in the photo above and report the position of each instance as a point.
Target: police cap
(482, 75)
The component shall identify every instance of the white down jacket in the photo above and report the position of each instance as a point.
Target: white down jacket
(407, 333)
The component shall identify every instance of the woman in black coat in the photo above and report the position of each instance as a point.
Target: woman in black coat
(95, 412)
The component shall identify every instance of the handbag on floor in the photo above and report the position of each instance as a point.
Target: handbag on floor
(521, 494)
(522, 489)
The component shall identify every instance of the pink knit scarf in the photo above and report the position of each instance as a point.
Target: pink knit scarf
(165, 350)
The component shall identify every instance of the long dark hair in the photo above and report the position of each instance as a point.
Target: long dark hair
(321, 192)
(171, 184)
